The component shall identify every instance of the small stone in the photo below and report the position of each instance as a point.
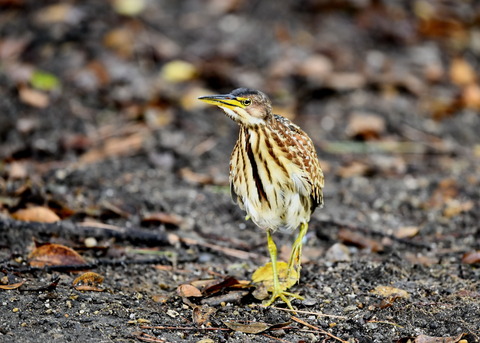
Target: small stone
(338, 253)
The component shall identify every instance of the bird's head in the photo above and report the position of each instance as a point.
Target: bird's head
(248, 107)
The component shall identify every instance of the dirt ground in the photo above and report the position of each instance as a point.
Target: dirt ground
(100, 125)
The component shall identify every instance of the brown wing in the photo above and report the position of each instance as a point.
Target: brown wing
(306, 157)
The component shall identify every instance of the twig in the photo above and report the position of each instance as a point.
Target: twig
(241, 254)
(275, 338)
(298, 320)
(193, 328)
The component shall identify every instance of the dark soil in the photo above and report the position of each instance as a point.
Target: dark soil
(121, 143)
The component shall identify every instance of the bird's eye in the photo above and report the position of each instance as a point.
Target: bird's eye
(247, 102)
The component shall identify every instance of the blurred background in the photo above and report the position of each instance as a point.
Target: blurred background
(385, 89)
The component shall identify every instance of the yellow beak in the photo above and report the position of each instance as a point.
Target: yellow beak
(227, 100)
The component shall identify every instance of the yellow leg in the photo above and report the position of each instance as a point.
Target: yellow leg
(295, 261)
(278, 291)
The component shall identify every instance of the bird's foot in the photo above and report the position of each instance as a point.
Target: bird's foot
(284, 296)
(286, 279)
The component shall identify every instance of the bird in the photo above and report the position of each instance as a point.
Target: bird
(275, 177)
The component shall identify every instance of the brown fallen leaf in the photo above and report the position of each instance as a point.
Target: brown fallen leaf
(195, 178)
(365, 126)
(430, 339)
(252, 328)
(407, 232)
(114, 147)
(51, 254)
(471, 96)
(461, 72)
(220, 286)
(163, 217)
(201, 314)
(36, 214)
(353, 169)
(357, 239)
(33, 97)
(471, 257)
(388, 291)
(188, 291)
(390, 295)
(455, 207)
(12, 285)
(88, 281)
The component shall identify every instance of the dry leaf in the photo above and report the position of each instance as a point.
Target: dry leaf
(196, 178)
(54, 255)
(36, 214)
(461, 72)
(264, 275)
(407, 232)
(178, 71)
(129, 7)
(88, 281)
(252, 328)
(429, 339)
(357, 239)
(59, 13)
(220, 286)
(12, 286)
(201, 314)
(121, 40)
(365, 126)
(471, 257)
(114, 147)
(471, 96)
(316, 67)
(389, 291)
(17, 170)
(187, 291)
(353, 169)
(33, 97)
(455, 207)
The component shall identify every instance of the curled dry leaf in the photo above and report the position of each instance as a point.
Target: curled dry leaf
(222, 285)
(188, 291)
(36, 214)
(12, 285)
(51, 254)
(88, 281)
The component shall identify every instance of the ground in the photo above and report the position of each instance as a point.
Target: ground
(100, 126)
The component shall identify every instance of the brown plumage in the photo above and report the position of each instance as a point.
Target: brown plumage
(275, 175)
